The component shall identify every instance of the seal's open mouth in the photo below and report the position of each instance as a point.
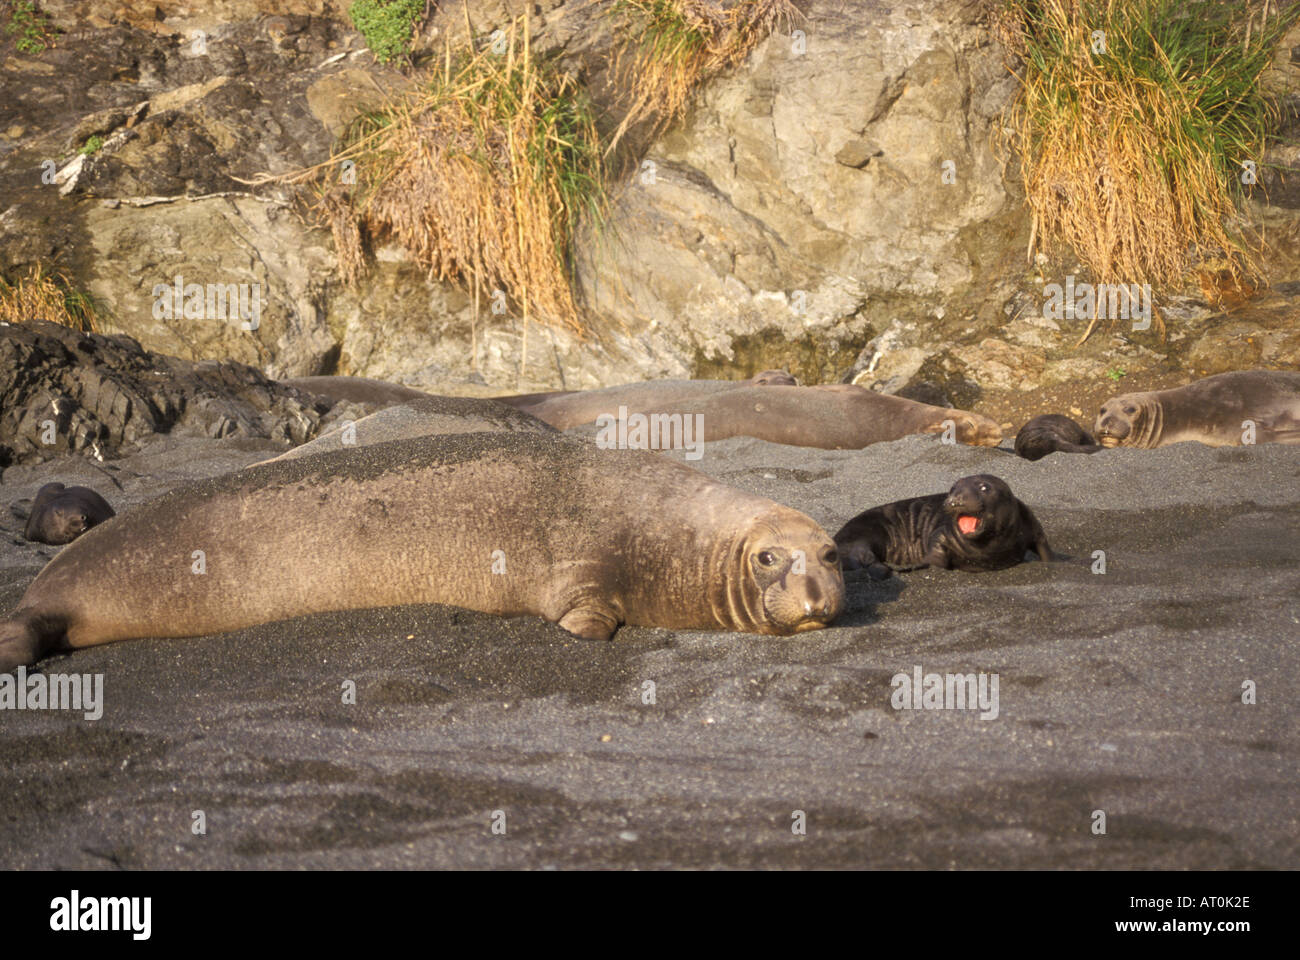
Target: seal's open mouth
(1107, 441)
(968, 524)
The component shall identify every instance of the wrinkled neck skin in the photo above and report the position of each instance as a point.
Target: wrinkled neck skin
(1149, 433)
(735, 602)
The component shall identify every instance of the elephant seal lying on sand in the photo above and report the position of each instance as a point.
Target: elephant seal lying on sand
(422, 417)
(505, 523)
(564, 409)
(1228, 409)
(977, 525)
(833, 417)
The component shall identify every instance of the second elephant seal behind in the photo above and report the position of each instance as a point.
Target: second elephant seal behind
(61, 514)
(1226, 410)
(422, 417)
(977, 525)
(505, 523)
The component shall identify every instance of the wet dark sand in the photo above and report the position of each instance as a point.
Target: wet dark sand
(1119, 692)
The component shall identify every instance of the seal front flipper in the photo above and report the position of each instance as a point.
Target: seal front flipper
(590, 622)
(936, 557)
(1037, 538)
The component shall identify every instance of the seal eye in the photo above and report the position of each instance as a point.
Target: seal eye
(830, 557)
(1130, 410)
(984, 488)
(767, 558)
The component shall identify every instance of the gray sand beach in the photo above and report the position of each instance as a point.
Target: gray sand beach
(1118, 691)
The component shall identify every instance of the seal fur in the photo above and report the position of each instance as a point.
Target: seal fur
(977, 525)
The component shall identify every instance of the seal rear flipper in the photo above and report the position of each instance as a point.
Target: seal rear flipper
(26, 638)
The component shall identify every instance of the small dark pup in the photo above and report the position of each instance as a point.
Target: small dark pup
(61, 514)
(977, 525)
(1053, 433)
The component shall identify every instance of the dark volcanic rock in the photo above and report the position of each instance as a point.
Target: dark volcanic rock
(63, 391)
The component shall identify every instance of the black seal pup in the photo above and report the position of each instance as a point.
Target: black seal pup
(61, 514)
(1053, 433)
(977, 525)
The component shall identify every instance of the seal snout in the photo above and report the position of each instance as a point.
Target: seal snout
(1116, 422)
(800, 585)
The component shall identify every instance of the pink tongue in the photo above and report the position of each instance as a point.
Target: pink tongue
(967, 524)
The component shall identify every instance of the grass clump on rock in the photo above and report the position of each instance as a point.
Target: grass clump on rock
(483, 175)
(1135, 124)
(679, 43)
(45, 296)
(387, 25)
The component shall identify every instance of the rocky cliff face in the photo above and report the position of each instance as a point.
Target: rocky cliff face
(835, 205)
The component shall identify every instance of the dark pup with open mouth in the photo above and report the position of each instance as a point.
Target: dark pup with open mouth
(977, 525)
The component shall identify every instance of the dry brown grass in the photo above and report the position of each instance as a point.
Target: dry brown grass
(679, 43)
(44, 296)
(1132, 157)
(482, 175)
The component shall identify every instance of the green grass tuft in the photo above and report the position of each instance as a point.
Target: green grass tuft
(387, 25)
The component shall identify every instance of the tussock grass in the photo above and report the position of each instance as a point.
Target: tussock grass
(44, 296)
(679, 43)
(1133, 157)
(482, 175)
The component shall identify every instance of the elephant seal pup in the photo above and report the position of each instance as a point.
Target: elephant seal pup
(1212, 411)
(422, 417)
(1053, 433)
(575, 408)
(833, 417)
(377, 393)
(61, 514)
(506, 523)
(977, 525)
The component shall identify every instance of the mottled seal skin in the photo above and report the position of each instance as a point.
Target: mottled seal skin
(1210, 411)
(832, 417)
(1053, 433)
(61, 514)
(574, 408)
(977, 525)
(583, 537)
(423, 417)
(357, 390)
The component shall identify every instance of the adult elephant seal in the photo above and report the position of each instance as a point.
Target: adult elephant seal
(1214, 411)
(61, 514)
(832, 417)
(362, 390)
(511, 524)
(1053, 433)
(574, 408)
(977, 525)
(422, 417)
